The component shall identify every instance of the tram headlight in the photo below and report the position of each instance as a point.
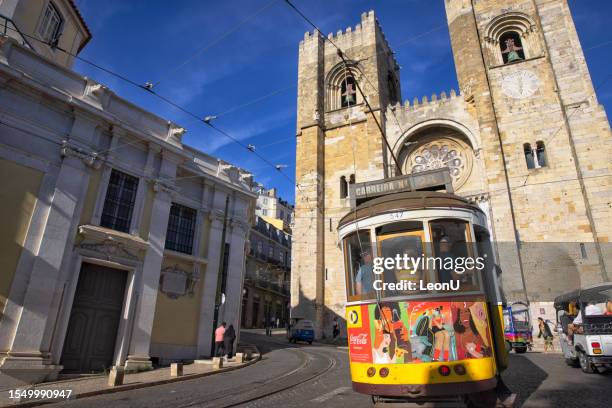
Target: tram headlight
(383, 372)
(459, 369)
(444, 370)
(371, 372)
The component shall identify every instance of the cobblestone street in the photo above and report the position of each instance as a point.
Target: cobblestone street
(317, 375)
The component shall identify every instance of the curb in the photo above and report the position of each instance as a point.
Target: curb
(129, 387)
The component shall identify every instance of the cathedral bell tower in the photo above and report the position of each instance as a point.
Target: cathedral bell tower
(545, 138)
(338, 143)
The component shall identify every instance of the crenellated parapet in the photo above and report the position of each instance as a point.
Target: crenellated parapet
(446, 110)
(362, 34)
(425, 101)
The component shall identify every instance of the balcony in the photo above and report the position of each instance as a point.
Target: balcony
(9, 29)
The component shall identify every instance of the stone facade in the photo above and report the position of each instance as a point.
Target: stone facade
(551, 223)
(63, 140)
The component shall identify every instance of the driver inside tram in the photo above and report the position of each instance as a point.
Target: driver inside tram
(364, 279)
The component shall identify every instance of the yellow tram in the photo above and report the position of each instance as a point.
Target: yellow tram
(421, 330)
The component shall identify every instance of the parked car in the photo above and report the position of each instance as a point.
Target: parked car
(300, 330)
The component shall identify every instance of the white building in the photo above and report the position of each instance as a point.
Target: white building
(114, 233)
(273, 209)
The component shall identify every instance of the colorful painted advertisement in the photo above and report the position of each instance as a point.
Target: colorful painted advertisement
(414, 332)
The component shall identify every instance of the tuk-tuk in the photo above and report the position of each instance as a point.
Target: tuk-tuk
(584, 323)
(300, 330)
(517, 327)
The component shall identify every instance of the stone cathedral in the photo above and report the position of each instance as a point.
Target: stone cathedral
(524, 137)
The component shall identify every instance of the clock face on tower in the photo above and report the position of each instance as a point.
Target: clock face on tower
(520, 84)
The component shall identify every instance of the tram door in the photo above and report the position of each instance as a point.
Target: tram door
(409, 244)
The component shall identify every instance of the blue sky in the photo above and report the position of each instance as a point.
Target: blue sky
(147, 40)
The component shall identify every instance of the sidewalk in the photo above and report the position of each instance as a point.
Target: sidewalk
(538, 346)
(95, 385)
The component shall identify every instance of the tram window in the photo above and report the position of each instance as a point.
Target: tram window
(403, 239)
(402, 226)
(485, 250)
(358, 260)
(451, 242)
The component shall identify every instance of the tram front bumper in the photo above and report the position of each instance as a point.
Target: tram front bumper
(425, 390)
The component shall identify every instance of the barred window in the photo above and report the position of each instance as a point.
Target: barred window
(119, 202)
(181, 229)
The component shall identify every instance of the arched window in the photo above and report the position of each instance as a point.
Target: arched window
(529, 159)
(511, 47)
(352, 179)
(541, 154)
(512, 37)
(341, 90)
(343, 187)
(348, 92)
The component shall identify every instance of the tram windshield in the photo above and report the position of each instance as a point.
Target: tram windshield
(520, 318)
(358, 255)
(442, 261)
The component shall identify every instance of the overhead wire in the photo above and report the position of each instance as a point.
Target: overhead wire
(211, 44)
(179, 107)
(345, 62)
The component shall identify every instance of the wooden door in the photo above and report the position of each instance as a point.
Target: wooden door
(96, 311)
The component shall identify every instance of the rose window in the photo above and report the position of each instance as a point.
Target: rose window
(439, 154)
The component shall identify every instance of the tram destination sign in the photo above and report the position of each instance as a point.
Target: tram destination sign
(431, 180)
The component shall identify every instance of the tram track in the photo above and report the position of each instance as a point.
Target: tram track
(236, 396)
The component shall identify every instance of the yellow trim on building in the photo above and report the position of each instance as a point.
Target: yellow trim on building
(18, 197)
(176, 320)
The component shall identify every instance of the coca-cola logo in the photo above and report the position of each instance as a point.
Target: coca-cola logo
(359, 339)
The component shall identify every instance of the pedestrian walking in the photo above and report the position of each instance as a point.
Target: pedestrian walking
(228, 341)
(546, 333)
(219, 334)
(336, 331)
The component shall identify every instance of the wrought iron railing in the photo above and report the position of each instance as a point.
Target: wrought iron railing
(9, 28)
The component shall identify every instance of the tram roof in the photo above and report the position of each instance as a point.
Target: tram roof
(412, 200)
